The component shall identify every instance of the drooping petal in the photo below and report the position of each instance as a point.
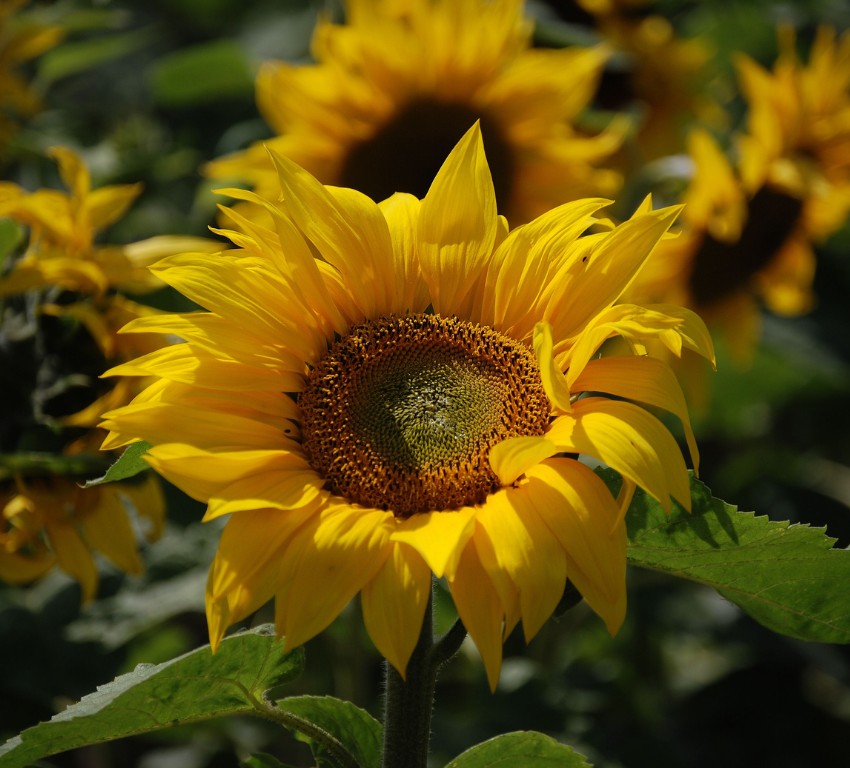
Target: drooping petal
(554, 381)
(644, 379)
(394, 603)
(107, 529)
(628, 439)
(524, 549)
(327, 562)
(513, 457)
(244, 574)
(72, 556)
(581, 513)
(438, 537)
(480, 609)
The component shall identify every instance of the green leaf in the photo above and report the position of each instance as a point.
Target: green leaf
(520, 750)
(262, 760)
(129, 463)
(72, 58)
(355, 729)
(202, 73)
(786, 576)
(197, 686)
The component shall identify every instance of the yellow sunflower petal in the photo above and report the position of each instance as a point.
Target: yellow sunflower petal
(327, 562)
(457, 224)
(244, 574)
(581, 513)
(438, 537)
(645, 379)
(554, 381)
(394, 603)
(73, 557)
(107, 529)
(512, 457)
(480, 609)
(629, 439)
(525, 549)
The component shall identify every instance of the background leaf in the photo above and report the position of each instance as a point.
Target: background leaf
(197, 686)
(523, 749)
(353, 727)
(786, 576)
(129, 464)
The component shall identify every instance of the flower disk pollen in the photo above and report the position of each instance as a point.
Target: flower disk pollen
(402, 412)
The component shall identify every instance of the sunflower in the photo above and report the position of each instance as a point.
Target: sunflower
(751, 223)
(394, 89)
(384, 392)
(59, 318)
(21, 39)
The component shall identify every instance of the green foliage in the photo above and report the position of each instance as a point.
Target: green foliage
(351, 729)
(786, 576)
(523, 749)
(262, 760)
(129, 464)
(197, 686)
(73, 58)
(202, 74)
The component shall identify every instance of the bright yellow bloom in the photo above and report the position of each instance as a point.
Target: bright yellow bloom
(21, 39)
(59, 322)
(382, 392)
(395, 87)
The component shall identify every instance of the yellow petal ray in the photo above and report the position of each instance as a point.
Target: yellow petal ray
(402, 214)
(215, 431)
(608, 270)
(201, 474)
(219, 338)
(554, 381)
(438, 537)
(183, 363)
(505, 586)
(457, 224)
(580, 511)
(394, 603)
(525, 262)
(244, 574)
(107, 530)
(525, 549)
(628, 439)
(325, 565)
(346, 227)
(108, 204)
(480, 609)
(644, 379)
(511, 458)
(691, 328)
(72, 556)
(271, 489)
(249, 298)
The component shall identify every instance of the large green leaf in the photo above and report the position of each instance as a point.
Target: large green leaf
(354, 729)
(522, 749)
(786, 576)
(197, 686)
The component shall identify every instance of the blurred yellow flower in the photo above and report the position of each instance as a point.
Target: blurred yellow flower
(21, 39)
(59, 321)
(750, 226)
(384, 392)
(396, 86)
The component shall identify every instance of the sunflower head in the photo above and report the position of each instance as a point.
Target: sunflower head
(395, 87)
(406, 397)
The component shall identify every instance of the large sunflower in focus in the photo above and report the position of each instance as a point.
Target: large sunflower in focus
(397, 85)
(382, 392)
(59, 318)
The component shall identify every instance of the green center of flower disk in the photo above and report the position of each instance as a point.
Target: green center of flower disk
(402, 412)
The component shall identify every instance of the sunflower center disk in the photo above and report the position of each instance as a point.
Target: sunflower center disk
(401, 413)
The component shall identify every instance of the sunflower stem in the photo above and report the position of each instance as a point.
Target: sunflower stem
(408, 703)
